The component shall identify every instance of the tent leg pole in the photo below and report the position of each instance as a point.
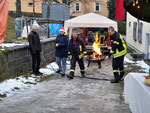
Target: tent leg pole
(70, 32)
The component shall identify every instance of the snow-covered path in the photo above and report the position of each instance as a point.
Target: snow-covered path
(80, 95)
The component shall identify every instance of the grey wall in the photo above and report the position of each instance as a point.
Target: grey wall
(58, 11)
(18, 59)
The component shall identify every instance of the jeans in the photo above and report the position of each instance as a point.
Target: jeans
(61, 62)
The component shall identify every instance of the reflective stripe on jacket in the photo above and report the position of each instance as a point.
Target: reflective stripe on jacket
(80, 47)
(119, 47)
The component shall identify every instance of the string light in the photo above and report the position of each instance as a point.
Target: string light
(133, 3)
(146, 1)
(138, 7)
(136, 2)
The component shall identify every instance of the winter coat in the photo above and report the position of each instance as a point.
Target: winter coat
(78, 50)
(62, 49)
(118, 44)
(34, 42)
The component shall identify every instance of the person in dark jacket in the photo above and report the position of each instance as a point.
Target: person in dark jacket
(76, 52)
(35, 48)
(119, 49)
(61, 45)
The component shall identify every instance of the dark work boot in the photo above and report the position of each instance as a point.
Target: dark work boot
(39, 73)
(116, 78)
(62, 75)
(70, 76)
(114, 81)
(83, 74)
(121, 76)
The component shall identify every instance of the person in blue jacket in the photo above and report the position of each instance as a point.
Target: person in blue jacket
(61, 46)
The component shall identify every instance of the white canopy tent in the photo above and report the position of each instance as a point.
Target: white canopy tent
(90, 20)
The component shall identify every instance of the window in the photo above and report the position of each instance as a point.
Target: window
(140, 29)
(129, 24)
(135, 31)
(77, 7)
(97, 7)
(30, 4)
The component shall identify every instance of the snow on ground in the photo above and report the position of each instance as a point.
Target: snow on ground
(142, 64)
(127, 60)
(50, 69)
(11, 86)
(10, 45)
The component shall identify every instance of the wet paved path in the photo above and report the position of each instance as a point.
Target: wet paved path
(80, 95)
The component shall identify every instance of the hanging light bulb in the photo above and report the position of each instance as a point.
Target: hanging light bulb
(146, 1)
(136, 2)
(133, 3)
(138, 7)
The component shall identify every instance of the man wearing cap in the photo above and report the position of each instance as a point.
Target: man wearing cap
(61, 46)
(35, 48)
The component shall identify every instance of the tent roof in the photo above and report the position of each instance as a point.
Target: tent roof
(90, 20)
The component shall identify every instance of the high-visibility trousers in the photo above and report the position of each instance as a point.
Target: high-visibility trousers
(73, 65)
(118, 68)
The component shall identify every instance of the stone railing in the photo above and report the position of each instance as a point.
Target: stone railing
(17, 59)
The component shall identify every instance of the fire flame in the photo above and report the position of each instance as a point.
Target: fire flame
(96, 48)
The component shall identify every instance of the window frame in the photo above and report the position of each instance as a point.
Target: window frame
(135, 28)
(140, 32)
(95, 7)
(29, 4)
(75, 8)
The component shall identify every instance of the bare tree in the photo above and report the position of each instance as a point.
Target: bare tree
(86, 5)
(33, 7)
(18, 8)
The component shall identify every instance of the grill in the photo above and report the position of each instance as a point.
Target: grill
(94, 60)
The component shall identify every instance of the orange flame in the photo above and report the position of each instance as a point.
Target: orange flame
(96, 48)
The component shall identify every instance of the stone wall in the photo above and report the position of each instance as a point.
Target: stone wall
(17, 59)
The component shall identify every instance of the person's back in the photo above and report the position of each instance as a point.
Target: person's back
(34, 41)
(35, 48)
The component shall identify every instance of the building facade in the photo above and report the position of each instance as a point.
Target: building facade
(80, 7)
(137, 34)
(26, 6)
(77, 7)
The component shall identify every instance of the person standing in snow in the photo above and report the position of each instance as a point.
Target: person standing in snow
(61, 46)
(119, 49)
(35, 48)
(76, 51)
